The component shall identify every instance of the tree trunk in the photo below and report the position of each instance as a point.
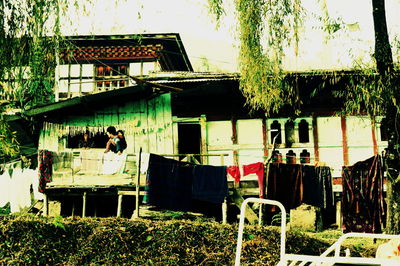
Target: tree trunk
(383, 52)
(384, 64)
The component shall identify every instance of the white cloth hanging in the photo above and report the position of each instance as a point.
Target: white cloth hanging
(5, 184)
(20, 197)
(34, 175)
(113, 163)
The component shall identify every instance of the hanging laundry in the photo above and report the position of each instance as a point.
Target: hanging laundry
(113, 163)
(169, 184)
(285, 184)
(363, 205)
(45, 168)
(37, 195)
(210, 183)
(258, 169)
(325, 179)
(5, 188)
(234, 172)
(318, 188)
(20, 185)
(313, 187)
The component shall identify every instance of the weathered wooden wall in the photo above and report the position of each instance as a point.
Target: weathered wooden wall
(147, 124)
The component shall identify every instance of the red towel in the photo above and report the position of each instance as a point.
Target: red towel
(234, 171)
(258, 169)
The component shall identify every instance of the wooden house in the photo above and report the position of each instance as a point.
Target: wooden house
(173, 111)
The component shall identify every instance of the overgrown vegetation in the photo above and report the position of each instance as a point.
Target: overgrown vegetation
(30, 39)
(266, 28)
(116, 241)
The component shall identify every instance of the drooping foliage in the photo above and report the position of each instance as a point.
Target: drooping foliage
(265, 29)
(29, 40)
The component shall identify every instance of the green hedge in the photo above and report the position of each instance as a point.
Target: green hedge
(118, 241)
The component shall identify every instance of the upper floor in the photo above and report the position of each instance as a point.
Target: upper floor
(92, 64)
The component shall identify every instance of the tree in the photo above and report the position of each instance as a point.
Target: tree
(30, 37)
(385, 68)
(275, 24)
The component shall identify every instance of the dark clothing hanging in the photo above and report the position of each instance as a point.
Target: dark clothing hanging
(285, 184)
(363, 208)
(317, 184)
(45, 168)
(313, 187)
(209, 183)
(172, 184)
(169, 184)
(325, 179)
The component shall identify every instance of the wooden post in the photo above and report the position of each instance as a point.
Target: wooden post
(73, 208)
(45, 205)
(203, 141)
(119, 207)
(139, 161)
(225, 203)
(339, 214)
(260, 214)
(84, 205)
(224, 211)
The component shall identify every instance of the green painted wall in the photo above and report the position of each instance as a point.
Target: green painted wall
(147, 124)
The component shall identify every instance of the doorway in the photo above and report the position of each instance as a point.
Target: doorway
(189, 139)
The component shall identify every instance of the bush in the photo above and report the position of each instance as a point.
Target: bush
(111, 241)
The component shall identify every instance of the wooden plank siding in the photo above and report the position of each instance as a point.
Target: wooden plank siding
(147, 124)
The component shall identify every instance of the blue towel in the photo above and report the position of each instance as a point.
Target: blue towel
(209, 183)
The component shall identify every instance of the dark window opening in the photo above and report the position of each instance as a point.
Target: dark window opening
(383, 130)
(305, 156)
(289, 133)
(111, 76)
(189, 139)
(304, 136)
(276, 132)
(97, 140)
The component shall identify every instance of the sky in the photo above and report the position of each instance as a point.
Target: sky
(207, 47)
(215, 49)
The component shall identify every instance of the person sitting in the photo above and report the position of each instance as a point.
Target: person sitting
(114, 162)
(86, 142)
(122, 140)
(113, 144)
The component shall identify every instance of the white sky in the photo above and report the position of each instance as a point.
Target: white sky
(190, 18)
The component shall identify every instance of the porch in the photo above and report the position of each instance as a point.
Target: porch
(88, 168)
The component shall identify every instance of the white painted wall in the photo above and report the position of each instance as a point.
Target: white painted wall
(330, 141)
(359, 138)
(250, 140)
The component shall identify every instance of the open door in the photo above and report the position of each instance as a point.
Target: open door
(189, 139)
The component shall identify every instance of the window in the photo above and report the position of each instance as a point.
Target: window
(303, 132)
(289, 133)
(109, 77)
(98, 140)
(75, 80)
(276, 132)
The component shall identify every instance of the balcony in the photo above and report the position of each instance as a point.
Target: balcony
(92, 168)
